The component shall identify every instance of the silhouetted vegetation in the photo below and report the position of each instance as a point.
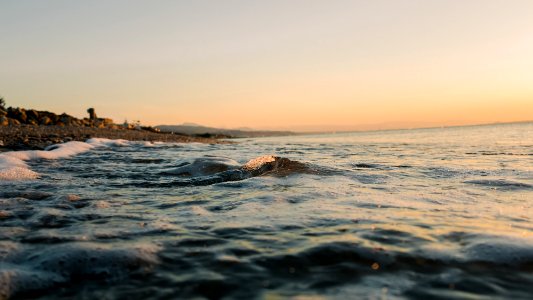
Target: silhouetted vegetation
(2, 103)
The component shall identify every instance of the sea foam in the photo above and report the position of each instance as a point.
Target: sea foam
(13, 164)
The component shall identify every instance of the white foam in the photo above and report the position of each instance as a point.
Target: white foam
(99, 142)
(13, 166)
(259, 161)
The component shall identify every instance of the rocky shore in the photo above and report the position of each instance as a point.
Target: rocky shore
(29, 129)
(31, 137)
(20, 116)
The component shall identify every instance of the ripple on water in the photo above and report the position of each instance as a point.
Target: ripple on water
(502, 184)
(35, 269)
(395, 220)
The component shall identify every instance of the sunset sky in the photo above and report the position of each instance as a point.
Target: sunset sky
(301, 65)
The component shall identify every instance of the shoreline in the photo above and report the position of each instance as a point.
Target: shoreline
(30, 137)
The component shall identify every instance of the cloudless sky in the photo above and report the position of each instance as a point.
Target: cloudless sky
(291, 64)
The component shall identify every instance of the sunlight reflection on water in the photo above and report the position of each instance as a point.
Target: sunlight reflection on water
(405, 214)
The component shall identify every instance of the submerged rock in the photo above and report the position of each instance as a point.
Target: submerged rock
(269, 164)
(204, 166)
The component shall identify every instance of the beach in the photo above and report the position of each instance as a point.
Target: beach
(266, 150)
(31, 137)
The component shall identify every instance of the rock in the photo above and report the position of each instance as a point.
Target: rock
(66, 119)
(4, 121)
(102, 122)
(13, 121)
(107, 121)
(32, 114)
(54, 117)
(45, 121)
(17, 116)
(17, 113)
(32, 117)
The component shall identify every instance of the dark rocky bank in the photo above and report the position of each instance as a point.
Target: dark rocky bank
(22, 129)
(20, 116)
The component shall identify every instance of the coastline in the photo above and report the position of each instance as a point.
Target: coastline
(31, 137)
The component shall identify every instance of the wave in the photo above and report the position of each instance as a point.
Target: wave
(501, 184)
(206, 170)
(213, 170)
(488, 153)
(26, 271)
(13, 164)
(203, 166)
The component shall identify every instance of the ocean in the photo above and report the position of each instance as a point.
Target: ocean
(406, 214)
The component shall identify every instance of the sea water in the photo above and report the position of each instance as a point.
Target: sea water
(427, 213)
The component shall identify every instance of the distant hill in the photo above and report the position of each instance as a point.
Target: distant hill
(199, 130)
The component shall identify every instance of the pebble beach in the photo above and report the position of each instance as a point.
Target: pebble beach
(31, 137)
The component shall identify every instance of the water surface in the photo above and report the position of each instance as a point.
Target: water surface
(440, 213)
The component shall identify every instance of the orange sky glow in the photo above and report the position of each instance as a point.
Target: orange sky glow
(297, 65)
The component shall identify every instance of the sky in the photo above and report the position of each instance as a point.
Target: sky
(291, 64)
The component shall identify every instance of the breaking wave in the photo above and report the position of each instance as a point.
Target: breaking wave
(13, 164)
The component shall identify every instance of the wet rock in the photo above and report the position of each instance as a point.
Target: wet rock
(69, 198)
